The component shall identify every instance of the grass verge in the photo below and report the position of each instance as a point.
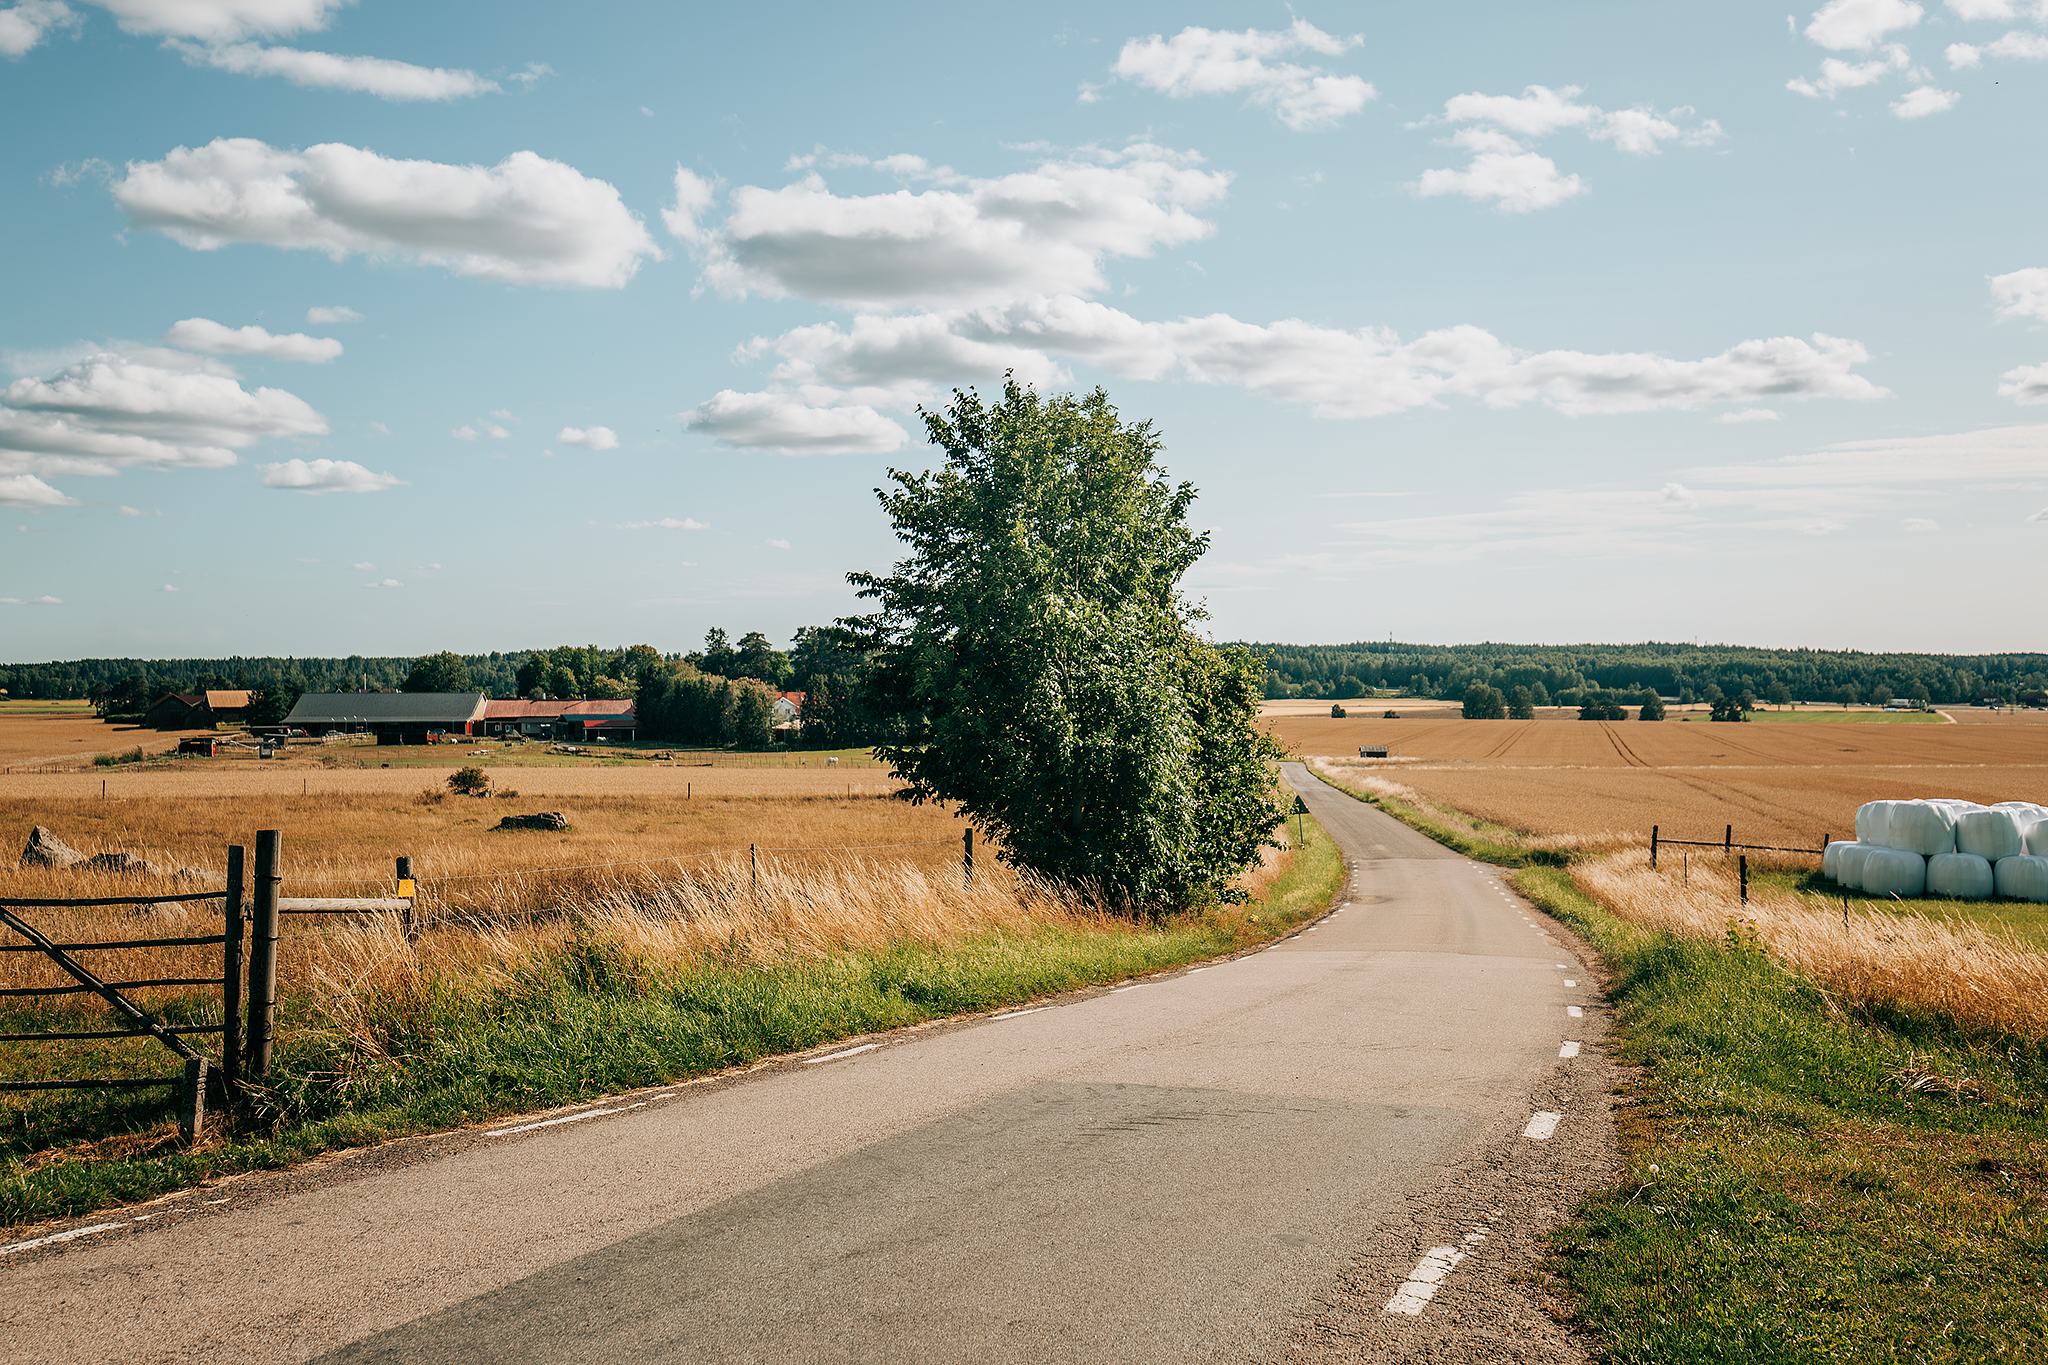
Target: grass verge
(1804, 1182)
(588, 1017)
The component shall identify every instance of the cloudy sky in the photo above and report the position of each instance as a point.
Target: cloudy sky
(342, 327)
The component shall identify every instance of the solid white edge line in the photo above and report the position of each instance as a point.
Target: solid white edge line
(35, 1242)
(1541, 1125)
(1568, 1050)
(549, 1123)
(835, 1056)
(1018, 1014)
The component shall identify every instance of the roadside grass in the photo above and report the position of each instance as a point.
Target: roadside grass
(609, 999)
(1804, 1181)
(2026, 921)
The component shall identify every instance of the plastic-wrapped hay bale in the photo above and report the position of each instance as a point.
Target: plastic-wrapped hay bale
(1831, 860)
(2037, 839)
(1868, 830)
(1965, 876)
(1849, 865)
(2024, 878)
(1894, 872)
(1990, 834)
(1920, 827)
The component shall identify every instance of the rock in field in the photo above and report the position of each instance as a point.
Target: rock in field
(123, 863)
(547, 819)
(47, 850)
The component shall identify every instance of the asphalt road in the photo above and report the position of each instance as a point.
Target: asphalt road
(1184, 1170)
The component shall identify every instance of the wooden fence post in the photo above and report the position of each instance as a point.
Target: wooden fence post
(754, 862)
(968, 861)
(1742, 864)
(1728, 842)
(231, 975)
(1653, 848)
(263, 953)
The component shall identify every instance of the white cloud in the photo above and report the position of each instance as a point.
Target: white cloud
(788, 426)
(1369, 372)
(596, 438)
(379, 76)
(221, 21)
(328, 317)
(1518, 182)
(2027, 385)
(1924, 100)
(426, 568)
(527, 220)
(1681, 495)
(23, 26)
(666, 524)
(1996, 453)
(39, 602)
(167, 588)
(1504, 170)
(2018, 46)
(159, 408)
(1962, 55)
(2022, 293)
(28, 491)
(326, 476)
(204, 334)
(386, 583)
(2041, 515)
(466, 432)
(776, 544)
(1043, 231)
(1836, 75)
(1982, 9)
(1858, 25)
(1200, 61)
(1919, 525)
(1751, 415)
(363, 567)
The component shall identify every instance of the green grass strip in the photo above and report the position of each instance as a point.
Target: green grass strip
(588, 1021)
(1475, 838)
(1802, 1184)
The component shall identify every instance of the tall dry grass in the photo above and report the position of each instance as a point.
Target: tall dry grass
(1980, 979)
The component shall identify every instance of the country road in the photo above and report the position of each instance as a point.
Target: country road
(1242, 1162)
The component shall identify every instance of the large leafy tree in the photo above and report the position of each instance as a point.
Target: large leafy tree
(1040, 664)
(443, 672)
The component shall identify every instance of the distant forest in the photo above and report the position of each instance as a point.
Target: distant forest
(1556, 674)
(1563, 674)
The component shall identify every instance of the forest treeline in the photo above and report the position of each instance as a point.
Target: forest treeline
(1563, 674)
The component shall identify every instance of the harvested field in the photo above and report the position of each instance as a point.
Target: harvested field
(36, 732)
(1777, 784)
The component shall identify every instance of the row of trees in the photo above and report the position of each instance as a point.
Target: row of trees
(1566, 674)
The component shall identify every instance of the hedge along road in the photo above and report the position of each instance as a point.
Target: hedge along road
(1172, 1171)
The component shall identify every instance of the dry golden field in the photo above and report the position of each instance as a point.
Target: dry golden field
(1778, 783)
(36, 732)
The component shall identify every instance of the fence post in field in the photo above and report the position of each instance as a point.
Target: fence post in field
(1653, 848)
(967, 862)
(1728, 841)
(1742, 866)
(405, 889)
(263, 953)
(754, 863)
(231, 975)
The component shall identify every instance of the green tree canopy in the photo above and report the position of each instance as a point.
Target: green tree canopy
(443, 672)
(1043, 665)
(1485, 703)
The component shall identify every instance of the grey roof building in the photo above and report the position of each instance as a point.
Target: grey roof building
(393, 717)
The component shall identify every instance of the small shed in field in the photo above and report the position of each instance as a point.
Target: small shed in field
(1375, 751)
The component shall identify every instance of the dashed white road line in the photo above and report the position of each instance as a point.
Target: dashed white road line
(835, 1056)
(1429, 1274)
(54, 1237)
(1574, 1012)
(1569, 982)
(566, 1118)
(1568, 1050)
(1541, 1125)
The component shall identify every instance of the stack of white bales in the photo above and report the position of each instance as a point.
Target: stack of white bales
(1945, 848)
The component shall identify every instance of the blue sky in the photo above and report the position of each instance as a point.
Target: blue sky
(336, 328)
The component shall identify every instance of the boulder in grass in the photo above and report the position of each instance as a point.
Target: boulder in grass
(122, 864)
(47, 850)
(547, 819)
